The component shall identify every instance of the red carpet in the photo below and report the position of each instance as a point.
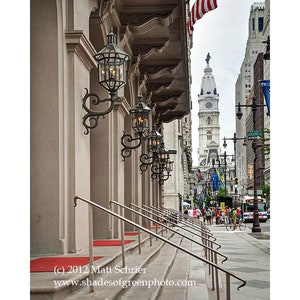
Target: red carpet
(111, 242)
(153, 227)
(130, 233)
(51, 264)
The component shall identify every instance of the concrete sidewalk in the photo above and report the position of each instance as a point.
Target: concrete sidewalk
(248, 257)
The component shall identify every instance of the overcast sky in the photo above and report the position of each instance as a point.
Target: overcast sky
(223, 33)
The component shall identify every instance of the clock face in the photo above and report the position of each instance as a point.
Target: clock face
(208, 105)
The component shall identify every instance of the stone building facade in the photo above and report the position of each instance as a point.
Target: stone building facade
(65, 162)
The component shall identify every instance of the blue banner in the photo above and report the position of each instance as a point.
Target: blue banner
(215, 180)
(200, 199)
(265, 84)
(195, 191)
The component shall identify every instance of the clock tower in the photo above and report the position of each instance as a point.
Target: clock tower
(209, 127)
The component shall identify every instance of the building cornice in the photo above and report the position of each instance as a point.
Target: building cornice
(77, 42)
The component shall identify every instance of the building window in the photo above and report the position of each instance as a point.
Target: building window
(208, 120)
(253, 24)
(209, 136)
(260, 24)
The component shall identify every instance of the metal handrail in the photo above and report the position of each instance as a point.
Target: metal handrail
(209, 253)
(186, 222)
(202, 237)
(217, 267)
(171, 229)
(207, 232)
(192, 220)
(185, 217)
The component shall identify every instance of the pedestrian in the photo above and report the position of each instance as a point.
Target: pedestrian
(226, 213)
(203, 213)
(234, 218)
(198, 212)
(190, 212)
(239, 213)
(208, 215)
(213, 214)
(230, 215)
(218, 216)
(194, 213)
(185, 213)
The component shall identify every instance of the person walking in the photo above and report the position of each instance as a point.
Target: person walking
(185, 213)
(190, 212)
(230, 215)
(226, 214)
(213, 215)
(194, 213)
(234, 218)
(203, 213)
(198, 212)
(218, 216)
(208, 215)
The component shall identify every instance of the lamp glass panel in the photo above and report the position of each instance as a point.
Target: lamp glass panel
(154, 141)
(111, 74)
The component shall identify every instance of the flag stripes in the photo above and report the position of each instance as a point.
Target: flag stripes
(199, 8)
(199, 175)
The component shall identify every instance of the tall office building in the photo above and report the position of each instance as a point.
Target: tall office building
(245, 90)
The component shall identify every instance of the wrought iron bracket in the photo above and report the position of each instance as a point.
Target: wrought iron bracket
(160, 173)
(126, 141)
(146, 161)
(90, 119)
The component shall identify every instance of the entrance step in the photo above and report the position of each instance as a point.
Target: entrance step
(111, 283)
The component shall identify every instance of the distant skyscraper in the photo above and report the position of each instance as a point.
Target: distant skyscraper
(245, 90)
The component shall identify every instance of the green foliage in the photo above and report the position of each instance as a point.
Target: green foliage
(266, 191)
(207, 201)
(266, 142)
(222, 192)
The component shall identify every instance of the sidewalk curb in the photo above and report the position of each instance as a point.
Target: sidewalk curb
(254, 241)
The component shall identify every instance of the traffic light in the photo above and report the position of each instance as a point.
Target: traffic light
(236, 182)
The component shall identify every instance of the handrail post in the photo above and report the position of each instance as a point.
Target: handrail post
(139, 240)
(211, 258)
(122, 238)
(205, 242)
(149, 226)
(227, 286)
(217, 278)
(91, 255)
(139, 234)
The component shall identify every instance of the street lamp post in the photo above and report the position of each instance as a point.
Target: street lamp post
(225, 155)
(234, 139)
(255, 145)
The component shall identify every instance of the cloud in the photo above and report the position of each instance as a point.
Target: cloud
(223, 33)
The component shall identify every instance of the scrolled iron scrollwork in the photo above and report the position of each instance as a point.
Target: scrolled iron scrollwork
(90, 119)
(146, 161)
(126, 141)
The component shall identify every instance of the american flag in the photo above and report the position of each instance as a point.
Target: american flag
(199, 175)
(199, 8)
